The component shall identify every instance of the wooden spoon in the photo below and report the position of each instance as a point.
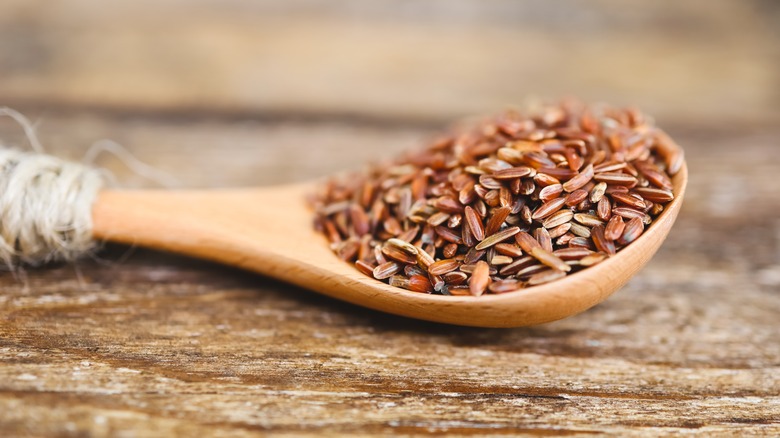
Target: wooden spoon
(269, 230)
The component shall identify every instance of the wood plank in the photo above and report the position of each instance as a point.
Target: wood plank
(201, 152)
(690, 60)
(155, 344)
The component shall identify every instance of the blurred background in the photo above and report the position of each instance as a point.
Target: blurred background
(236, 92)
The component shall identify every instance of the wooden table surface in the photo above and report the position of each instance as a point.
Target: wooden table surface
(131, 342)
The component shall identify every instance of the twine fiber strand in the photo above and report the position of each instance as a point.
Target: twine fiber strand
(45, 203)
(45, 208)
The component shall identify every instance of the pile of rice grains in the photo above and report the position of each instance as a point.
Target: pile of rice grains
(515, 201)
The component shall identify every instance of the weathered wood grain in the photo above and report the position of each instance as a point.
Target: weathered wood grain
(158, 345)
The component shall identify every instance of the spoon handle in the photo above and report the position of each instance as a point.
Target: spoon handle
(242, 228)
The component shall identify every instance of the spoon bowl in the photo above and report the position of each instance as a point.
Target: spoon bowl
(269, 230)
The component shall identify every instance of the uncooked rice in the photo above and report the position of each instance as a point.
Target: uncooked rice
(517, 200)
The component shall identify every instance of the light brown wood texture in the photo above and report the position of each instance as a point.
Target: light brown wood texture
(140, 343)
(416, 61)
(270, 231)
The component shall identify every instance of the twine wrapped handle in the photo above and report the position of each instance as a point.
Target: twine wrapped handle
(46, 202)
(45, 208)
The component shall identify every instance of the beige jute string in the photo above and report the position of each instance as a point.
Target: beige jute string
(45, 208)
(45, 204)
